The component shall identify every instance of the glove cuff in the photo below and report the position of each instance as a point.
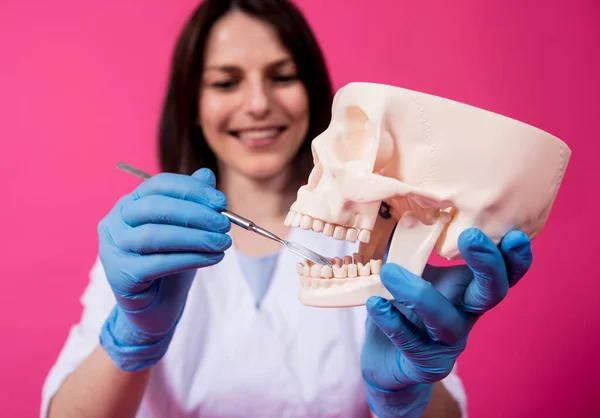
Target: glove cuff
(409, 402)
(130, 348)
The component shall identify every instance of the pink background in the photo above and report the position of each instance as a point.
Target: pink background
(80, 88)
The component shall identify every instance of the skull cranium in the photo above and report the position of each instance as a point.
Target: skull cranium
(420, 169)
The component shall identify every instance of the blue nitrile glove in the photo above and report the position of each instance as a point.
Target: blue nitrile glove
(414, 341)
(151, 242)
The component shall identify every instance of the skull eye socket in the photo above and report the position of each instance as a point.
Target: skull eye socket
(356, 139)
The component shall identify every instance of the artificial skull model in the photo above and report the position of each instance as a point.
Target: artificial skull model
(418, 169)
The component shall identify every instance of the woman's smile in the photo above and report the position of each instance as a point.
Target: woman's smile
(258, 137)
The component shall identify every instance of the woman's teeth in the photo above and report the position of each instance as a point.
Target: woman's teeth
(258, 134)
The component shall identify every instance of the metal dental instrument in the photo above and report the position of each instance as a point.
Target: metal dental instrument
(247, 224)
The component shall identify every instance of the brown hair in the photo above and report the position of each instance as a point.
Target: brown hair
(182, 146)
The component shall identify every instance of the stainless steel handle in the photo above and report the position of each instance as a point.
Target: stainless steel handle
(250, 226)
(128, 168)
(239, 220)
(267, 234)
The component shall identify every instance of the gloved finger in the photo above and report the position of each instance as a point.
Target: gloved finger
(198, 188)
(157, 238)
(450, 281)
(490, 282)
(516, 250)
(379, 357)
(138, 272)
(400, 331)
(162, 209)
(373, 332)
(443, 321)
(206, 176)
(162, 265)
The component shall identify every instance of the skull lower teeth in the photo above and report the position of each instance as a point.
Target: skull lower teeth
(348, 267)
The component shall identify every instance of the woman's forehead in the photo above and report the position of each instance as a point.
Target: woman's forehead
(238, 38)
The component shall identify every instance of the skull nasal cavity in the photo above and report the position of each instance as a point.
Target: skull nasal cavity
(356, 138)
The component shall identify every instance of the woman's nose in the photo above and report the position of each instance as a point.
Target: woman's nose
(257, 100)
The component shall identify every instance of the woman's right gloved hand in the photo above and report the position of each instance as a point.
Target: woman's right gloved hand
(151, 244)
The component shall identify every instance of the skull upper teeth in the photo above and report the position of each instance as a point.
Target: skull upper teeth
(339, 232)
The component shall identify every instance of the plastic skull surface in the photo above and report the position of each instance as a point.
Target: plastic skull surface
(420, 169)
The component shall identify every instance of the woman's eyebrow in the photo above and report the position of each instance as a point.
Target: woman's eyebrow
(221, 68)
(281, 62)
(232, 68)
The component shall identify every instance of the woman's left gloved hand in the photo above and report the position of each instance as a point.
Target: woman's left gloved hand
(414, 341)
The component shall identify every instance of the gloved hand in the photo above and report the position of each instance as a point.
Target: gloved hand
(151, 242)
(414, 341)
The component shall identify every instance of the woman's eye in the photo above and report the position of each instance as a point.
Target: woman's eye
(223, 84)
(285, 78)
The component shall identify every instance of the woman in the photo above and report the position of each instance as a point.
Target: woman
(248, 92)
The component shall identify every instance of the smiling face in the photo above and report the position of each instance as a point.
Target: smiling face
(254, 110)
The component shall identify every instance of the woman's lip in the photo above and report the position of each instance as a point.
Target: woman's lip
(259, 143)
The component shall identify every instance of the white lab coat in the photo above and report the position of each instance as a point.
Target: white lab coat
(229, 359)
